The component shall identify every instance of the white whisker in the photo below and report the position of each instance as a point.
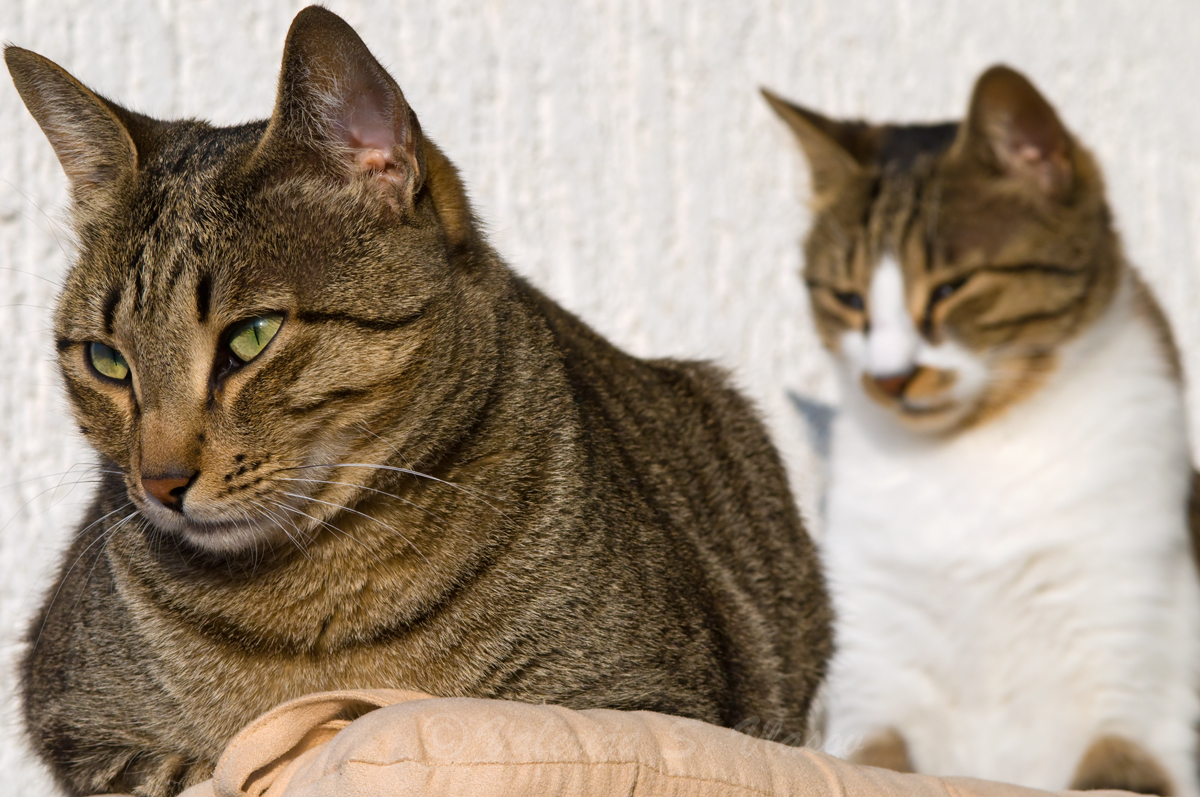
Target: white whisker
(63, 580)
(368, 489)
(368, 517)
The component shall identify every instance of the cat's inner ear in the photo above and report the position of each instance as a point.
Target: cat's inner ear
(830, 146)
(1010, 123)
(336, 100)
(91, 141)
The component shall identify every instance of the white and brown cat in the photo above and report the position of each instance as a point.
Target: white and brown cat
(1008, 539)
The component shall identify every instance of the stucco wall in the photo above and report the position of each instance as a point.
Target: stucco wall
(622, 158)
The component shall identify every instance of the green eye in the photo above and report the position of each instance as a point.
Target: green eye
(248, 338)
(108, 361)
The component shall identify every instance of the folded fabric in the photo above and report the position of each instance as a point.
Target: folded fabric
(389, 742)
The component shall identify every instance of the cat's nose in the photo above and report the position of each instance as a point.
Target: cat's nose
(894, 384)
(169, 488)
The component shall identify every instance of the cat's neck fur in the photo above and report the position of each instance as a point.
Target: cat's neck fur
(1067, 511)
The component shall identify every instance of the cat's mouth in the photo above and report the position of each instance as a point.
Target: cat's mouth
(220, 528)
(924, 398)
(923, 389)
(219, 534)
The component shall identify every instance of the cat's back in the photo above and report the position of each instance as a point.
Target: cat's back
(677, 430)
(676, 439)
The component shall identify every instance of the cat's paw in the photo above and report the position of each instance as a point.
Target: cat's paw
(886, 749)
(148, 774)
(1114, 762)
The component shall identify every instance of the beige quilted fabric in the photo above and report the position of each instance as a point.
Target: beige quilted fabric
(389, 742)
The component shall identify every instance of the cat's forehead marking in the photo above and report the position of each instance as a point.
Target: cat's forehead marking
(173, 217)
(904, 207)
(892, 338)
(902, 147)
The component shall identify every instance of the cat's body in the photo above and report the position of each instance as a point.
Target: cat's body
(293, 329)
(1007, 535)
(1014, 615)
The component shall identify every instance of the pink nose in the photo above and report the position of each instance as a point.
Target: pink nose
(169, 490)
(894, 385)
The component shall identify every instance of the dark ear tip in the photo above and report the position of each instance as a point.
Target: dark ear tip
(1000, 71)
(316, 17)
(1001, 80)
(15, 56)
(787, 110)
(776, 102)
(313, 13)
(27, 68)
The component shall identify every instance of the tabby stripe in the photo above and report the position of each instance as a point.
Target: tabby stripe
(1037, 268)
(62, 344)
(334, 397)
(176, 273)
(869, 210)
(1029, 318)
(914, 208)
(138, 289)
(110, 308)
(374, 324)
(203, 296)
(934, 203)
(137, 264)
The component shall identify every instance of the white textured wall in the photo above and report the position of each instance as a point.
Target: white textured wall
(621, 157)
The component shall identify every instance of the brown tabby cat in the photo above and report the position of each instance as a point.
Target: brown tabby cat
(1007, 535)
(342, 445)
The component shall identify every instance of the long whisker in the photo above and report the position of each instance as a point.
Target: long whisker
(473, 494)
(106, 536)
(28, 273)
(414, 505)
(55, 229)
(279, 524)
(61, 473)
(368, 517)
(66, 575)
(407, 464)
(36, 496)
(329, 526)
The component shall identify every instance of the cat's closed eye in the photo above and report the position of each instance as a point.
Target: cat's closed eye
(946, 290)
(851, 300)
(938, 295)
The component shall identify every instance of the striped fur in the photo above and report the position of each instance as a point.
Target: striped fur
(432, 477)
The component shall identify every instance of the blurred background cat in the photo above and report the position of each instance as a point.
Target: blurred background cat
(1007, 534)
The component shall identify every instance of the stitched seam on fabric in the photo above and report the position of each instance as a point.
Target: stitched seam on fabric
(638, 764)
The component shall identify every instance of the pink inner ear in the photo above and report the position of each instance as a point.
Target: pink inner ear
(1038, 148)
(367, 128)
(1029, 154)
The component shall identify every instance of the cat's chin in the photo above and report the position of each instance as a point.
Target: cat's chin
(936, 417)
(220, 536)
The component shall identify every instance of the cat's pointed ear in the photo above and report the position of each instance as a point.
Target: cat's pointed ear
(826, 143)
(1011, 127)
(337, 102)
(88, 133)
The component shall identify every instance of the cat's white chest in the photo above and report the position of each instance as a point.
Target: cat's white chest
(1008, 594)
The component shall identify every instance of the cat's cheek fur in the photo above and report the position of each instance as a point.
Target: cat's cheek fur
(971, 371)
